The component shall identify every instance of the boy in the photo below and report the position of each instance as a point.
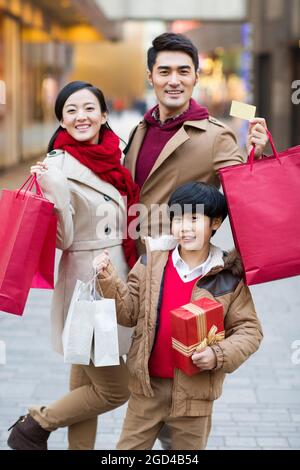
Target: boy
(174, 271)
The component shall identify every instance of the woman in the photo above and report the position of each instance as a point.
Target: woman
(83, 176)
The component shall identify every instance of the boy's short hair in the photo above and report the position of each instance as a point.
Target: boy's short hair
(172, 42)
(189, 196)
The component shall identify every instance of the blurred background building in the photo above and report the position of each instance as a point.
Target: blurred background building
(248, 51)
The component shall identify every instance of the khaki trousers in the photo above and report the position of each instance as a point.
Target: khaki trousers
(145, 418)
(94, 391)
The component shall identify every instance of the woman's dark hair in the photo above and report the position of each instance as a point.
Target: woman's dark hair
(189, 197)
(172, 42)
(64, 94)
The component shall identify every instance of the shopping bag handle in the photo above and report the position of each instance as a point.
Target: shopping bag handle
(92, 286)
(28, 185)
(251, 156)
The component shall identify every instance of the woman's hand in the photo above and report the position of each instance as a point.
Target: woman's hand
(39, 168)
(101, 262)
(205, 360)
(257, 134)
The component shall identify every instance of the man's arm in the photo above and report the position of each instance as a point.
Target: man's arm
(226, 151)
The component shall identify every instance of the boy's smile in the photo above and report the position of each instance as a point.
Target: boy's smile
(193, 233)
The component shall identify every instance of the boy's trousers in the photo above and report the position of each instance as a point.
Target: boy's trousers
(146, 416)
(94, 391)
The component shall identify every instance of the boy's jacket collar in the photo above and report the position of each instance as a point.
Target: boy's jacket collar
(221, 260)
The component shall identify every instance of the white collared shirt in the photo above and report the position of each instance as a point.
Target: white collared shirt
(185, 273)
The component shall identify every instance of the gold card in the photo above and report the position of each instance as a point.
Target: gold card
(242, 110)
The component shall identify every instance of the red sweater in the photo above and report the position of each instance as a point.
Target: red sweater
(159, 134)
(175, 294)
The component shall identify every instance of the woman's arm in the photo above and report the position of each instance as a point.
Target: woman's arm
(55, 187)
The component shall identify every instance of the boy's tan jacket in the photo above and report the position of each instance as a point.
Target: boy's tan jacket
(137, 305)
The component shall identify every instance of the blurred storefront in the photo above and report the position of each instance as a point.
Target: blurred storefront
(36, 55)
(223, 70)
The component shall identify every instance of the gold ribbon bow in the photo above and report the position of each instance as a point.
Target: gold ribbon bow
(212, 338)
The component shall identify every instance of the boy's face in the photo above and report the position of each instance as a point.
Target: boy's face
(193, 231)
(173, 78)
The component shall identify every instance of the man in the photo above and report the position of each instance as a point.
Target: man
(177, 141)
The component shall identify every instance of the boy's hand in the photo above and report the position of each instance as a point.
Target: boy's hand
(205, 360)
(101, 262)
(257, 134)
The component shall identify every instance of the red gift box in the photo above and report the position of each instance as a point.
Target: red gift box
(195, 325)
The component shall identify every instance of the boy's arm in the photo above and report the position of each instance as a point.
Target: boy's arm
(243, 332)
(126, 295)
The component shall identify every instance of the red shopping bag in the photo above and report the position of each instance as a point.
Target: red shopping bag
(263, 198)
(44, 277)
(24, 223)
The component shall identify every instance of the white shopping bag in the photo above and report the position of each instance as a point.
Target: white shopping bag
(111, 340)
(91, 331)
(78, 331)
(105, 350)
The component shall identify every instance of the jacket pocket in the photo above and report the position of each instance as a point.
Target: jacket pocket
(134, 361)
(196, 387)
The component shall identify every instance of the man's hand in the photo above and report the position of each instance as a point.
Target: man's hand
(101, 262)
(205, 360)
(257, 134)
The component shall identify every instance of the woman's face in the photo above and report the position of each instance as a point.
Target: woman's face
(82, 117)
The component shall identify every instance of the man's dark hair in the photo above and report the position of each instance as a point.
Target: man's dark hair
(188, 197)
(172, 42)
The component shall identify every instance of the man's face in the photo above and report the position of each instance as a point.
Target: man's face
(173, 77)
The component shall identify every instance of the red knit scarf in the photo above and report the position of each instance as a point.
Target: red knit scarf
(104, 159)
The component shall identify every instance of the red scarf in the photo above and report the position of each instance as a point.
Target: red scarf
(104, 159)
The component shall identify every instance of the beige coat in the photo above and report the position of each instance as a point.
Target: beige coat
(194, 153)
(91, 214)
(137, 305)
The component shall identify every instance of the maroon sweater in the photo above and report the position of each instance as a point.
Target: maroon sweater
(158, 134)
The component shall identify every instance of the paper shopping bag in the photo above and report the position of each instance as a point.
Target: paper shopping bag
(263, 199)
(78, 331)
(106, 346)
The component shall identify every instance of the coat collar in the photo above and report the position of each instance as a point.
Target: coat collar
(74, 170)
(177, 139)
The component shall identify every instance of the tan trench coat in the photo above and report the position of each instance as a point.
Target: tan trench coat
(91, 214)
(194, 153)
